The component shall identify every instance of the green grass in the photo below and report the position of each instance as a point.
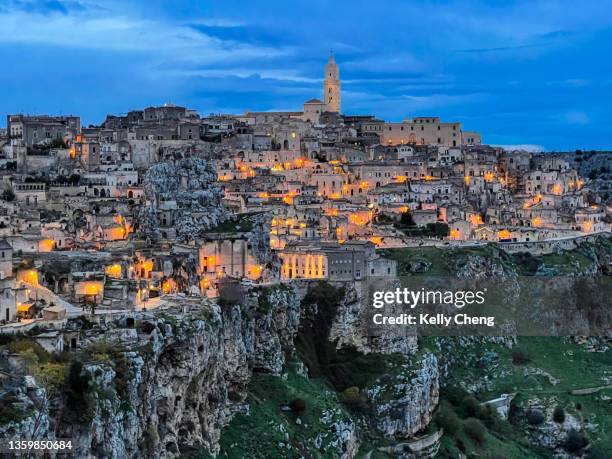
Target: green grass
(567, 362)
(242, 224)
(259, 433)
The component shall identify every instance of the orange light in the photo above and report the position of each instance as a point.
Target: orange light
(503, 234)
(264, 195)
(46, 245)
(428, 177)
(557, 189)
(404, 209)
(536, 222)
(360, 218)
(401, 178)
(113, 270)
(30, 277)
(476, 220)
(92, 288)
(454, 234)
(364, 185)
(117, 233)
(224, 178)
(467, 180)
(489, 176)
(588, 226)
(336, 195)
(376, 240)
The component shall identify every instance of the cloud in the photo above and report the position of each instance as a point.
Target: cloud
(576, 117)
(525, 147)
(127, 34)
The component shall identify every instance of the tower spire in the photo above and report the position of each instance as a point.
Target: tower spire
(331, 85)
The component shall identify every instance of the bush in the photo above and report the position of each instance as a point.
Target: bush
(438, 229)
(597, 452)
(406, 219)
(474, 429)
(353, 398)
(470, 406)
(447, 419)
(559, 414)
(535, 417)
(8, 195)
(575, 441)
(297, 405)
(25, 344)
(520, 356)
(78, 406)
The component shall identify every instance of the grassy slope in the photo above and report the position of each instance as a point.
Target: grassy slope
(258, 435)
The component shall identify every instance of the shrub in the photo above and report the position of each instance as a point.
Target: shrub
(78, 406)
(474, 429)
(575, 441)
(597, 452)
(454, 394)
(8, 195)
(25, 344)
(559, 414)
(353, 398)
(297, 405)
(470, 406)
(535, 417)
(406, 219)
(519, 356)
(51, 376)
(447, 419)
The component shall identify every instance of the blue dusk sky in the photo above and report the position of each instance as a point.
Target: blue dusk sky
(522, 73)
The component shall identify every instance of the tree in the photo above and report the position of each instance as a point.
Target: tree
(519, 356)
(406, 219)
(470, 406)
(297, 405)
(8, 195)
(474, 429)
(354, 399)
(559, 414)
(78, 403)
(575, 441)
(448, 419)
(535, 417)
(438, 229)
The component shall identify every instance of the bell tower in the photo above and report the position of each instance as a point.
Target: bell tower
(331, 85)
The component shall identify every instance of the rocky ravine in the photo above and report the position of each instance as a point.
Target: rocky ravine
(186, 373)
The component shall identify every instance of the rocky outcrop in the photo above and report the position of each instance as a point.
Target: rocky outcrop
(186, 187)
(404, 402)
(184, 375)
(352, 328)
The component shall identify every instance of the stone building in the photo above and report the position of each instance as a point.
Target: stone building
(331, 86)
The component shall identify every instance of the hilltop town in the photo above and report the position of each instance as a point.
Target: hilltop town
(162, 200)
(126, 229)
